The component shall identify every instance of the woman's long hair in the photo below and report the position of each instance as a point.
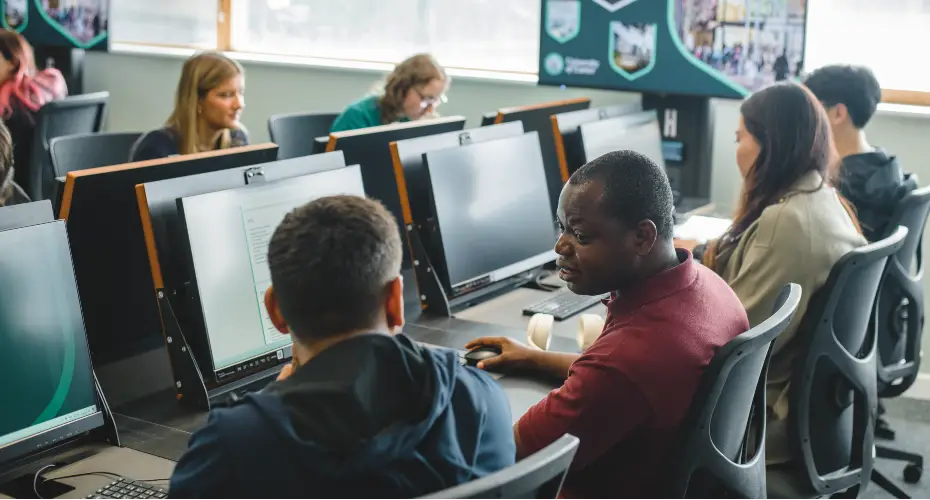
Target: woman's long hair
(29, 88)
(793, 132)
(201, 73)
(416, 71)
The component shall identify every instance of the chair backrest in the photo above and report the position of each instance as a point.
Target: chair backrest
(712, 457)
(833, 394)
(80, 114)
(538, 476)
(294, 133)
(83, 151)
(900, 313)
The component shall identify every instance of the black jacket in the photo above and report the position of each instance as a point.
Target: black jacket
(874, 183)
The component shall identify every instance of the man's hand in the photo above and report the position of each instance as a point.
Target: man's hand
(286, 371)
(513, 356)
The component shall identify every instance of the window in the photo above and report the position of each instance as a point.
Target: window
(460, 33)
(190, 23)
(882, 35)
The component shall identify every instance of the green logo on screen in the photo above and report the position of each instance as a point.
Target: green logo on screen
(554, 64)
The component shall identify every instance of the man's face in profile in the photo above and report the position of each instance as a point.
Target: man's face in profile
(597, 252)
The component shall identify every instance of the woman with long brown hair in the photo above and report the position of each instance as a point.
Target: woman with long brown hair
(207, 108)
(791, 224)
(412, 91)
(23, 90)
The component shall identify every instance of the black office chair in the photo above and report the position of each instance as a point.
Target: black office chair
(833, 395)
(83, 151)
(900, 318)
(711, 458)
(80, 114)
(294, 133)
(538, 476)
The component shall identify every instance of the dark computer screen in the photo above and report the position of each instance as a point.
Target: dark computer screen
(492, 208)
(638, 132)
(228, 234)
(108, 246)
(409, 153)
(46, 382)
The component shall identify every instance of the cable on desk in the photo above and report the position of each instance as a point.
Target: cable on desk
(35, 479)
(36, 484)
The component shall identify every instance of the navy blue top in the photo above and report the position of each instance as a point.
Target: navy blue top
(374, 416)
(163, 143)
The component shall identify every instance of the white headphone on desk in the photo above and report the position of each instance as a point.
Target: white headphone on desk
(539, 331)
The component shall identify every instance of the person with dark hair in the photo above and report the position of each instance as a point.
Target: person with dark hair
(627, 394)
(359, 412)
(869, 177)
(791, 226)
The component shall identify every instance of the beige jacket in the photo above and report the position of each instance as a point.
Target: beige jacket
(794, 241)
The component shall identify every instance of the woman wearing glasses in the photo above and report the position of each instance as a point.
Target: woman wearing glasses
(412, 91)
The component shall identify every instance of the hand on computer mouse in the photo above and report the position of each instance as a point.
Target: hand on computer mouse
(513, 355)
(286, 371)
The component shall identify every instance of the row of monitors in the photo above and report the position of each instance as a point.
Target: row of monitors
(198, 227)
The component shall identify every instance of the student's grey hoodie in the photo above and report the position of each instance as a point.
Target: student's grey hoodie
(874, 183)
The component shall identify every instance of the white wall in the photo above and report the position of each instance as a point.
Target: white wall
(142, 88)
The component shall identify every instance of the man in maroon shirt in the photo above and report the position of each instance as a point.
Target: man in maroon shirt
(626, 395)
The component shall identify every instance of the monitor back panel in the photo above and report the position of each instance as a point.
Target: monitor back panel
(370, 149)
(26, 214)
(161, 199)
(108, 246)
(537, 119)
(568, 124)
(409, 154)
(639, 132)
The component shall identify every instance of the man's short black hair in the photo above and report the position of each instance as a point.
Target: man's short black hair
(330, 263)
(635, 189)
(853, 86)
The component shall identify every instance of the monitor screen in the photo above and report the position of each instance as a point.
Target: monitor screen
(639, 133)
(713, 48)
(229, 232)
(81, 24)
(492, 207)
(47, 391)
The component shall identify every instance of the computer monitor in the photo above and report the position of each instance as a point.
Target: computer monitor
(370, 148)
(568, 139)
(536, 118)
(159, 210)
(79, 24)
(492, 211)
(228, 234)
(26, 214)
(639, 132)
(707, 48)
(49, 395)
(108, 246)
(413, 180)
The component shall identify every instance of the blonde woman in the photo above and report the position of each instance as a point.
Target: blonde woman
(208, 103)
(413, 90)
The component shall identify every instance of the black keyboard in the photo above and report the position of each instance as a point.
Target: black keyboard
(564, 305)
(127, 488)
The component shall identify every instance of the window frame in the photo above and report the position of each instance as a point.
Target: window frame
(224, 44)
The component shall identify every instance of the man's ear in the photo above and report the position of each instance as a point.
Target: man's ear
(394, 305)
(838, 114)
(646, 235)
(274, 312)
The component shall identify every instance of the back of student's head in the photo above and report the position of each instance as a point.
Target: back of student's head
(6, 165)
(635, 189)
(416, 71)
(30, 88)
(200, 74)
(332, 262)
(855, 87)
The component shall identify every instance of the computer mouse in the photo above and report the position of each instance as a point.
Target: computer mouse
(482, 353)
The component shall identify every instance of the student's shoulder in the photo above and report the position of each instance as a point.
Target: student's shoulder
(155, 144)
(238, 137)
(362, 113)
